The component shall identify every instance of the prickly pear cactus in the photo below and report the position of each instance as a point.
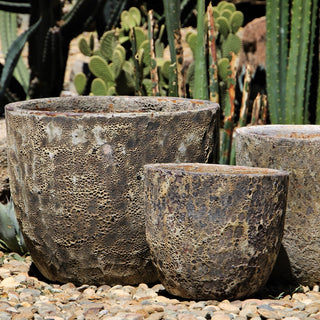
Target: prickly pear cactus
(117, 70)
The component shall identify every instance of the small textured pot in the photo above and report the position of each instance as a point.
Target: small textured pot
(214, 231)
(294, 148)
(76, 177)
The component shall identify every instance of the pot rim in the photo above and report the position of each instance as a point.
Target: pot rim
(194, 105)
(300, 132)
(209, 169)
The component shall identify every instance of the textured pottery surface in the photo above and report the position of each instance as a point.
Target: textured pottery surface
(296, 149)
(214, 231)
(76, 177)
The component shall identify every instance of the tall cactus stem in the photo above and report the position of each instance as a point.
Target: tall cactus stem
(277, 13)
(213, 68)
(313, 26)
(297, 62)
(172, 16)
(153, 67)
(201, 78)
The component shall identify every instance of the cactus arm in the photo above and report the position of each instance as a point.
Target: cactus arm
(213, 68)
(297, 62)
(277, 16)
(153, 63)
(310, 60)
(201, 81)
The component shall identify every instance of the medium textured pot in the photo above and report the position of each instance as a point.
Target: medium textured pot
(296, 149)
(214, 231)
(76, 177)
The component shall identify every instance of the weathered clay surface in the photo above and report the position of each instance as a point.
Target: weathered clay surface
(295, 149)
(76, 176)
(214, 231)
(4, 175)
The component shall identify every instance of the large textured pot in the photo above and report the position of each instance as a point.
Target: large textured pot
(214, 231)
(294, 148)
(76, 177)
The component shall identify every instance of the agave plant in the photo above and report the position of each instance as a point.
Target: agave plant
(11, 239)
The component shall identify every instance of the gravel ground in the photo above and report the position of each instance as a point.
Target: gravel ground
(23, 296)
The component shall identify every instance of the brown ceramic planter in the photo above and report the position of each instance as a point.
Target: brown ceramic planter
(214, 231)
(76, 175)
(294, 148)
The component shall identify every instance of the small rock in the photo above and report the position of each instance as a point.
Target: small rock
(228, 307)
(267, 311)
(5, 315)
(9, 283)
(313, 307)
(156, 316)
(128, 316)
(249, 311)
(221, 316)
(143, 292)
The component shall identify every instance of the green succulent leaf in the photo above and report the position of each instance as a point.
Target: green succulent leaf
(231, 44)
(223, 26)
(215, 13)
(223, 69)
(100, 68)
(127, 20)
(117, 62)
(84, 47)
(236, 21)
(107, 44)
(80, 81)
(135, 13)
(147, 84)
(98, 87)
(140, 36)
(226, 13)
(11, 238)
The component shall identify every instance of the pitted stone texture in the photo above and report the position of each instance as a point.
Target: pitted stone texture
(214, 231)
(4, 175)
(295, 149)
(76, 172)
